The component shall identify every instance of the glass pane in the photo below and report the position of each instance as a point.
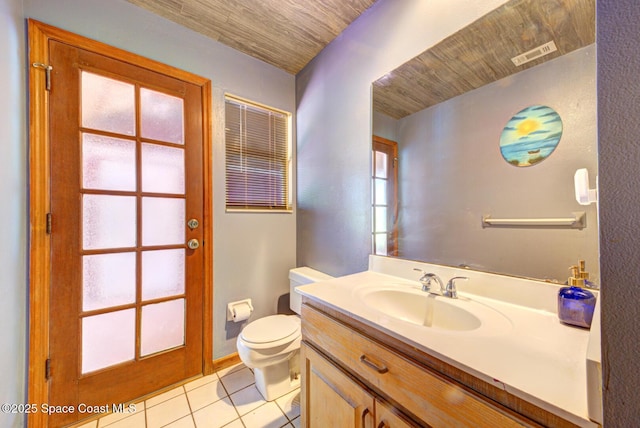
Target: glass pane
(163, 221)
(108, 221)
(108, 339)
(108, 280)
(162, 117)
(107, 104)
(380, 191)
(162, 169)
(108, 163)
(381, 219)
(162, 326)
(162, 273)
(381, 244)
(381, 165)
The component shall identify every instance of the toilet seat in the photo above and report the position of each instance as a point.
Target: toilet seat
(271, 331)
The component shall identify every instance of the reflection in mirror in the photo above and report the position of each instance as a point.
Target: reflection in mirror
(384, 189)
(447, 108)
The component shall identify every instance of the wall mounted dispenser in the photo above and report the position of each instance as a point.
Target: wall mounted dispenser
(239, 311)
(584, 195)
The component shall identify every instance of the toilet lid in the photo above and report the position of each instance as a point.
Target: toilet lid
(271, 328)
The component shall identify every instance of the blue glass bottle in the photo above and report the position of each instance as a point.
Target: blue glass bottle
(576, 304)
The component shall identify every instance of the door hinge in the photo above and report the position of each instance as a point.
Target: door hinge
(47, 73)
(48, 226)
(47, 369)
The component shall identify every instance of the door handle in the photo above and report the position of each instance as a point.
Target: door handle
(193, 244)
(364, 416)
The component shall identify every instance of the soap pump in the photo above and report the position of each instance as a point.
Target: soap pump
(575, 303)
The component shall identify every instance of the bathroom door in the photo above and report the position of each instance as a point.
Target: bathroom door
(126, 193)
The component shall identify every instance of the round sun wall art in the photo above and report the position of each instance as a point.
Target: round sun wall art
(531, 136)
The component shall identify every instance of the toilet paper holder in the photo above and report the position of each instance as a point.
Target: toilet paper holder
(240, 305)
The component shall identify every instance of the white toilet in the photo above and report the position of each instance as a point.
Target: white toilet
(271, 345)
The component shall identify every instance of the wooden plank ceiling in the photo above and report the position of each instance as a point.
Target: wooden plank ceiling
(284, 33)
(481, 53)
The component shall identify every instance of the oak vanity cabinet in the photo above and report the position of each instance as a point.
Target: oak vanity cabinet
(350, 380)
(333, 399)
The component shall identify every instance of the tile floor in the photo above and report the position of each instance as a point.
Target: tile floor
(227, 398)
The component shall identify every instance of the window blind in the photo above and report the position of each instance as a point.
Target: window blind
(257, 157)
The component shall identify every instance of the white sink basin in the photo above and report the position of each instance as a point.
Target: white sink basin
(435, 312)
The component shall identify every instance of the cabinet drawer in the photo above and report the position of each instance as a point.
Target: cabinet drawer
(429, 396)
(388, 417)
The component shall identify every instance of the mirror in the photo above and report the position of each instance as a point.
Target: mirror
(447, 108)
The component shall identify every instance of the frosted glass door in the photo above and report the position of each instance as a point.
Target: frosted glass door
(133, 222)
(126, 163)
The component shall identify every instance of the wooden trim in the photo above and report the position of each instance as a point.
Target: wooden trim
(39, 35)
(207, 233)
(228, 361)
(39, 240)
(53, 33)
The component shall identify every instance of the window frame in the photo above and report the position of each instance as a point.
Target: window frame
(287, 170)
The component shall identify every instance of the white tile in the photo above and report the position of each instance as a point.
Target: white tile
(290, 404)
(296, 422)
(229, 370)
(235, 424)
(186, 422)
(201, 381)
(237, 380)
(164, 396)
(134, 421)
(266, 416)
(215, 415)
(168, 411)
(207, 394)
(115, 417)
(247, 399)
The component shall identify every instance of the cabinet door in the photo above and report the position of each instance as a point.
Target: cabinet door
(388, 417)
(330, 398)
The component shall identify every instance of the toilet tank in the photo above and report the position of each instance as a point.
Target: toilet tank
(301, 276)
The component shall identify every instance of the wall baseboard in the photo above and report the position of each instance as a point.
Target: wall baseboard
(224, 362)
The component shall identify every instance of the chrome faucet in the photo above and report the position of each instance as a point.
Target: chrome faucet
(451, 290)
(447, 291)
(426, 279)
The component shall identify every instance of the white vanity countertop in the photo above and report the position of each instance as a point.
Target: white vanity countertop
(537, 358)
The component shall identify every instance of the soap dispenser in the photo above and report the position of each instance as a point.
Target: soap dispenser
(576, 304)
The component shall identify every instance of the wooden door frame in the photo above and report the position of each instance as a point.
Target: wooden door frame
(394, 206)
(39, 201)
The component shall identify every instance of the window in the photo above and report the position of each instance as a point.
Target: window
(258, 161)
(384, 204)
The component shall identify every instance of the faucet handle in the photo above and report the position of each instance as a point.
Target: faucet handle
(450, 290)
(425, 279)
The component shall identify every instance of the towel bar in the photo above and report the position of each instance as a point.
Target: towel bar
(578, 221)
